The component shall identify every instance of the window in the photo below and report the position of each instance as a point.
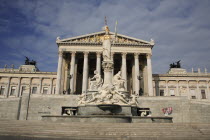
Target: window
(2, 89)
(192, 92)
(203, 94)
(54, 90)
(12, 92)
(45, 90)
(172, 92)
(23, 90)
(161, 92)
(34, 90)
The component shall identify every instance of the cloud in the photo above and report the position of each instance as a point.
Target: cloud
(181, 29)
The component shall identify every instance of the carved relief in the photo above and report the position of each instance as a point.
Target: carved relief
(182, 90)
(100, 38)
(107, 65)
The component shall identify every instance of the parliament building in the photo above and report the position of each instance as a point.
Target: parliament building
(28, 94)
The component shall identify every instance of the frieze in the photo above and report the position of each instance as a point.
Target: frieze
(35, 84)
(14, 83)
(24, 83)
(192, 86)
(182, 86)
(45, 84)
(171, 86)
(202, 86)
(3, 83)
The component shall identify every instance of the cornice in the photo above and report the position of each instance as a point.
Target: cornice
(100, 44)
(181, 75)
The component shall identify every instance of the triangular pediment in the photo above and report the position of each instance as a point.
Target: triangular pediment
(99, 36)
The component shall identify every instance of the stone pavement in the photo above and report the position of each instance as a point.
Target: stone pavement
(39, 130)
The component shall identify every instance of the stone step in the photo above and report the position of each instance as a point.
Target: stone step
(99, 138)
(104, 125)
(93, 131)
(105, 130)
(55, 134)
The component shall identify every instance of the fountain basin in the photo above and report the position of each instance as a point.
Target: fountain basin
(111, 108)
(107, 109)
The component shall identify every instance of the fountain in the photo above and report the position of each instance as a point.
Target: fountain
(107, 97)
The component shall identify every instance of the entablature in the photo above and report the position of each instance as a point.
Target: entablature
(114, 49)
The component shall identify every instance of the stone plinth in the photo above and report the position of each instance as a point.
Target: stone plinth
(28, 68)
(107, 109)
(177, 71)
(108, 67)
(138, 119)
(89, 119)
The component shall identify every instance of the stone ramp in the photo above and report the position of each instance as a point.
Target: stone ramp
(39, 130)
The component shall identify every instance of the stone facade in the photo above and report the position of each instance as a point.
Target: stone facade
(14, 83)
(178, 82)
(27, 93)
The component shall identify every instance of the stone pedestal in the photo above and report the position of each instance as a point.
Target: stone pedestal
(177, 71)
(107, 66)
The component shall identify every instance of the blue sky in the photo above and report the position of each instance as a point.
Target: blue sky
(180, 28)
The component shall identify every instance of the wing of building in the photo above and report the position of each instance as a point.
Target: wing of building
(42, 93)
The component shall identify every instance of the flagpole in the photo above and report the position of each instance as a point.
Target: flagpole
(116, 31)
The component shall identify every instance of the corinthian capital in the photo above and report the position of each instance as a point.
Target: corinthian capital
(124, 54)
(73, 53)
(86, 54)
(136, 55)
(148, 55)
(60, 53)
(98, 54)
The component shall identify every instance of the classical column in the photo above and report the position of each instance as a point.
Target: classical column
(59, 72)
(167, 93)
(18, 88)
(149, 74)
(72, 76)
(156, 88)
(188, 89)
(51, 85)
(136, 77)
(85, 73)
(98, 62)
(198, 93)
(40, 85)
(207, 94)
(66, 77)
(30, 82)
(8, 87)
(112, 58)
(124, 69)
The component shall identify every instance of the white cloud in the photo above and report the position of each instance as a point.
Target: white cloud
(180, 28)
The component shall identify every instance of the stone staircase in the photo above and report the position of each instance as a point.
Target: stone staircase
(39, 130)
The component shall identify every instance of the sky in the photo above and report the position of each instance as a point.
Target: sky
(180, 28)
